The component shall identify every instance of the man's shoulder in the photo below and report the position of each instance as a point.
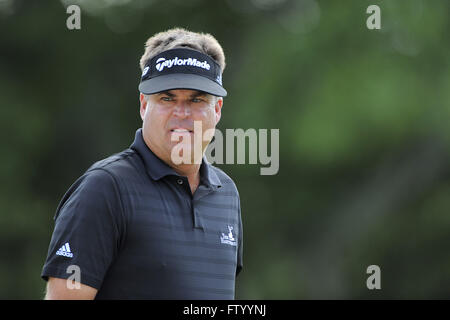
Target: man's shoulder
(103, 177)
(118, 164)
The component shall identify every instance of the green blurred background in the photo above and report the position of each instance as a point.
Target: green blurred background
(364, 136)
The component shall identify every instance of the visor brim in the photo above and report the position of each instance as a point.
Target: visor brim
(181, 81)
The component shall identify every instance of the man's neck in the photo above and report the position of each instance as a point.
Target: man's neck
(191, 171)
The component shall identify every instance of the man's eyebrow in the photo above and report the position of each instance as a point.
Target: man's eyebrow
(199, 94)
(168, 93)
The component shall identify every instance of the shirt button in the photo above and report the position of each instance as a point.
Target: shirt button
(179, 181)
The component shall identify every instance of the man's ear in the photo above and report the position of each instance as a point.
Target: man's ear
(143, 106)
(218, 109)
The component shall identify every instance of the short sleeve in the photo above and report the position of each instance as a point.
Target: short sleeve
(88, 227)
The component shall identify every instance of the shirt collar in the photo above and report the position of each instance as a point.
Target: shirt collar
(158, 169)
(208, 176)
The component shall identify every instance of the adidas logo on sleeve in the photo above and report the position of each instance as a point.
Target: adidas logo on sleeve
(65, 251)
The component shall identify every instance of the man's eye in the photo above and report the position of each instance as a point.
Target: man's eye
(196, 100)
(166, 98)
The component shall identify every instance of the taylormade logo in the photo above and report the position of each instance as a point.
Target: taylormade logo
(161, 63)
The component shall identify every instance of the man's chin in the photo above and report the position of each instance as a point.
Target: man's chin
(186, 154)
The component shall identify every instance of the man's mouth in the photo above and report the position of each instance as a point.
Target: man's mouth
(182, 130)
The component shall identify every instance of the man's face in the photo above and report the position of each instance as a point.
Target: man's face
(170, 115)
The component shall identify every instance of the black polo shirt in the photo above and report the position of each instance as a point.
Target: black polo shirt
(133, 227)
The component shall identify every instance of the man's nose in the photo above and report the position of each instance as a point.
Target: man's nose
(182, 110)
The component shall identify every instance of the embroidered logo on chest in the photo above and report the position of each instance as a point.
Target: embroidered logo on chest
(228, 238)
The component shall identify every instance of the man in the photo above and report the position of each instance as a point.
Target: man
(151, 222)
